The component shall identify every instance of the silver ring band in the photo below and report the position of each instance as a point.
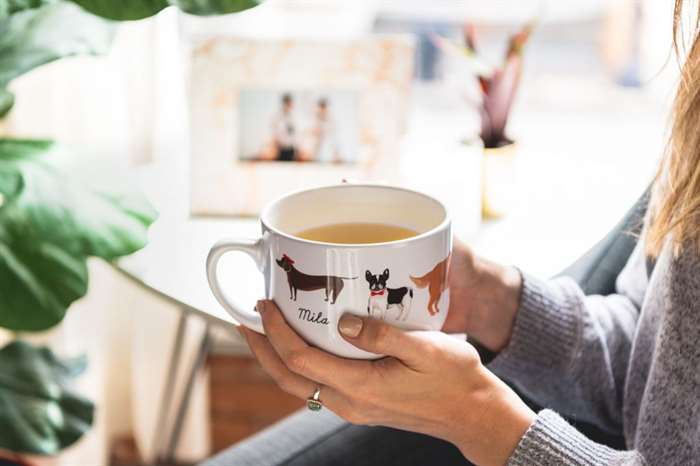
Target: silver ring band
(313, 402)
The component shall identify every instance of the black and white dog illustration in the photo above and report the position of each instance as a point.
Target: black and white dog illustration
(383, 299)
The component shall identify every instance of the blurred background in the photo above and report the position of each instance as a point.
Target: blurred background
(537, 122)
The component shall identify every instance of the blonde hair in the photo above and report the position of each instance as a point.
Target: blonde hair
(674, 212)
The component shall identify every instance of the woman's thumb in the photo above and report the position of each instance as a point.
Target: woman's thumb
(378, 337)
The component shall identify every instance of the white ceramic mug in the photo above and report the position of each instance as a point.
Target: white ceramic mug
(403, 282)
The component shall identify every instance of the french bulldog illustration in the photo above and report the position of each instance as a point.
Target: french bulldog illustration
(382, 298)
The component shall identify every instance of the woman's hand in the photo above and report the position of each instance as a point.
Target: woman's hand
(484, 298)
(430, 383)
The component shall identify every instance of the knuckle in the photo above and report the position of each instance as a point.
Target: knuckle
(431, 351)
(296, 361)
(439, 346)
(382, 335)
(472, 356)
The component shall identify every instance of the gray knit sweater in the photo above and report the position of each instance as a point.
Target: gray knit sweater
(627, 362)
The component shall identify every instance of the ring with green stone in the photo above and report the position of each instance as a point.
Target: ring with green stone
(313, 403)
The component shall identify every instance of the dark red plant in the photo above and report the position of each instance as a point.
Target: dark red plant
(498, 84)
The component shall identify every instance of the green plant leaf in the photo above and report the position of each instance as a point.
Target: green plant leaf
(34, 36)
(7, 100)
(466, 54)
(214, 7)
(57, 213)
(123, 10)
(9, 7)
(39, 282)
(39, 413)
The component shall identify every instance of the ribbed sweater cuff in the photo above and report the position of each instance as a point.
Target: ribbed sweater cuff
(546, 329)
(550, 441)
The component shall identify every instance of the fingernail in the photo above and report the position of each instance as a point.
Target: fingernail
(260, 306)
(350, 325)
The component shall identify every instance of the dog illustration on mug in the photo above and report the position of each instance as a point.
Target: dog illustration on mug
(436, 282)
(298, 280)
(383, 299)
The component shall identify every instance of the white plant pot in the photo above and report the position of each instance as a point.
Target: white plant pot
(499, 180)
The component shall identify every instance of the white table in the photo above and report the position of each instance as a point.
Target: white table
(172, 267)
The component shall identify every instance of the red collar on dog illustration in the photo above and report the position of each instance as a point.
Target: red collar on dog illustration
(383, 299)
(332, 285)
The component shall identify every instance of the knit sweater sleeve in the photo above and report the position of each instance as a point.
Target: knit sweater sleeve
(570, 352)
(551, 441)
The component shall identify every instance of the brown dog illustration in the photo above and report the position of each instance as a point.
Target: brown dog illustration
(300, 281)
(436, 282)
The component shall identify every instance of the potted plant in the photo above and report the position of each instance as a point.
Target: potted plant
(52, 220)
(498, 86)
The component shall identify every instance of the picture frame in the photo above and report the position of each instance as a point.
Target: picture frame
(374, 72)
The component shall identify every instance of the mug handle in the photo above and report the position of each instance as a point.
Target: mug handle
(255, 249)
